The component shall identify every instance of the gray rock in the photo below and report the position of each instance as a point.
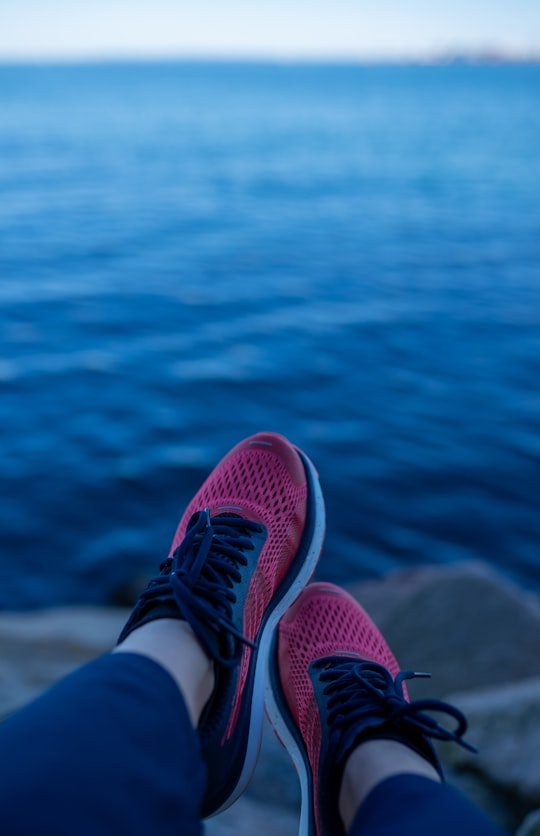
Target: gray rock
(275, 780)
(465, 623)
(504, 723)
(38, 648)
(247, 817)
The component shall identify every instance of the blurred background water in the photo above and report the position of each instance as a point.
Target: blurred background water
(192, 252)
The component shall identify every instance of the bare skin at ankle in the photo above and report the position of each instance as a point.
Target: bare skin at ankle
(173, 645)
(372, 762)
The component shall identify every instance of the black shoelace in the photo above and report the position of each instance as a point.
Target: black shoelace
(200, 579)
(362, 695)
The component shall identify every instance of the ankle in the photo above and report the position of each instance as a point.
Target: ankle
(372, 762)
(173, 645)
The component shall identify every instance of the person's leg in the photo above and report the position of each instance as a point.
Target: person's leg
(418, 806)
(363, 752)
(172, 644)
(108, 750)
(112, 749)
(372, 763)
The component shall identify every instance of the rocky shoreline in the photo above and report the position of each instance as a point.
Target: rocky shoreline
(477, 632)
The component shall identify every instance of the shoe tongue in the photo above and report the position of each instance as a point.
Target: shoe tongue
(198, 516)
(326, 662)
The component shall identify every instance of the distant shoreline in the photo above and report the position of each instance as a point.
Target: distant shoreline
(484, 59)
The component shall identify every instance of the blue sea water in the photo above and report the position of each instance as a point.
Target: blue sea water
(192, 252)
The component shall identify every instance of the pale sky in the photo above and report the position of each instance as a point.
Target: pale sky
(287, 29)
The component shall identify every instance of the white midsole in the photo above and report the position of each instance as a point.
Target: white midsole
(280, 727)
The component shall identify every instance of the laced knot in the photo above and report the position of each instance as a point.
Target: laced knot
(362, 695)
(201, 577)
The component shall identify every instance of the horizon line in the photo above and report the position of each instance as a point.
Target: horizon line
(488, 56)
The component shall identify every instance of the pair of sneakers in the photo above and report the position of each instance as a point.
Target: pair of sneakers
(238, 573)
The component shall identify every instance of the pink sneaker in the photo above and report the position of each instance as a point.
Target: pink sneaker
(246, 546)
(333, 683)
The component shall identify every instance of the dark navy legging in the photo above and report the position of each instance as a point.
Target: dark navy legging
(110, 750)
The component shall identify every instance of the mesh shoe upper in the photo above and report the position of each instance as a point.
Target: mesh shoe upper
(334, 683)
(314, 629)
